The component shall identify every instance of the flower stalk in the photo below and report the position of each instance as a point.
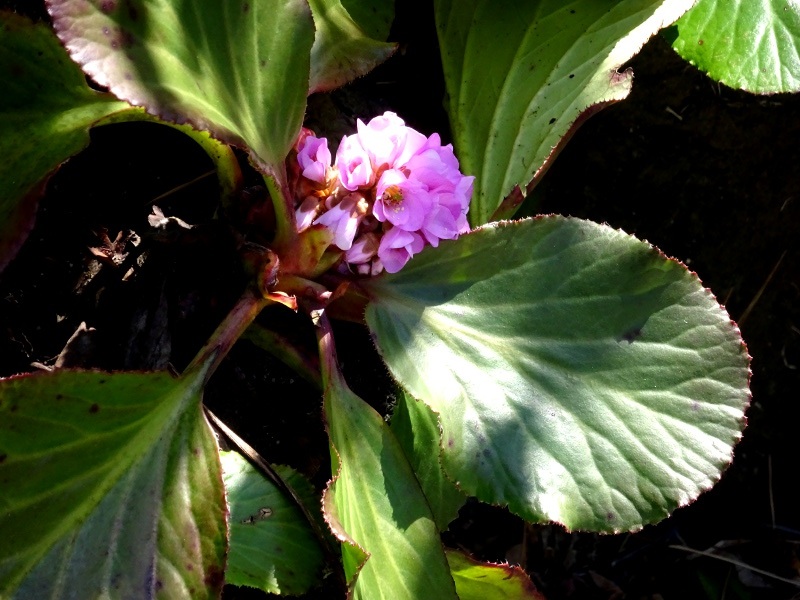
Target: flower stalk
(244, 312)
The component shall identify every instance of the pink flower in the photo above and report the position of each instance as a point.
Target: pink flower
(363, 250)
(306, 213)
(392, 192)
(448, 219)
(401, 201)
(343, 220)
(314, 158)
(437, 166)
(375, 267)
(397, 246)
(440, 224)
(388, 141)
(463, 194)
(355, 168)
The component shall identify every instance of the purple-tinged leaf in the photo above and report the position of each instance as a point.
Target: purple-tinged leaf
(111, 487)
(238, 69)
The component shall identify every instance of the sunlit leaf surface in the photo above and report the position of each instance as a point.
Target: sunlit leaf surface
(580, 376)
(238, 69)
(487, 581)
(749, 44)
(521, 76)
(376, 507)
(272, 546)
(111, 487)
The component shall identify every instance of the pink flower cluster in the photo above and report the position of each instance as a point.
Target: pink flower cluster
(390, 192)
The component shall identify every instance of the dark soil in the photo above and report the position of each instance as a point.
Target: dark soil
(707, 174)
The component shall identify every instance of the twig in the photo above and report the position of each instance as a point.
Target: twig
(771, 495)
(178, 188)
(673, 113)
(724, 593)
(738, 563)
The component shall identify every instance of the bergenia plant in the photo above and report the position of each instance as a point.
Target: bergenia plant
(556, 366)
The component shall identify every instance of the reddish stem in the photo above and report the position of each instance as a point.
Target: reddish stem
(224, 337)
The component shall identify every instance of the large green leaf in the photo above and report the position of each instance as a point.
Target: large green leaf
(579, 375)
(273, 547)
(488, 581)
(238, 69)
(521, 76)
(749, 44)
(46, 111)
(416, 427)
(375, 506)
(342, 50)
(111, 488)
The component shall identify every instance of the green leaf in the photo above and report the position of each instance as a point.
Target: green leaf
(488, 581)
(342, 50)
(273, 547)
(111, 487)
(521, 76)
(749, 44)
(46, 111)
(375, 506)
(237, 68)
(584, 378)
(375, 17)
(416, 427)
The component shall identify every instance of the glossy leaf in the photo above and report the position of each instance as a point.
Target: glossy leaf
(272, 546)
(111, 487)
(46, 111)
(521, 76)
(584, 378)
(238, 69)
(416, 427)
(375, 506)
(342, 50)
(749, 44)
(488, 581)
